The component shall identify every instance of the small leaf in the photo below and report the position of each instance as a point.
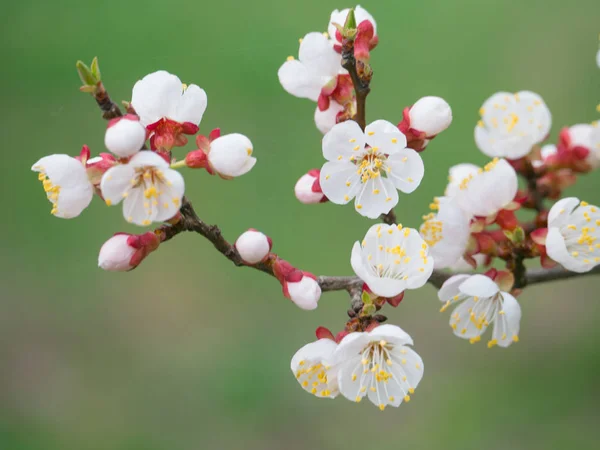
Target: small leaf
(350, 23)
(96, 69)
(366, 298)
(85, 74)
(369, 310)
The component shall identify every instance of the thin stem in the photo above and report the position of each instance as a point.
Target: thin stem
(361, 84)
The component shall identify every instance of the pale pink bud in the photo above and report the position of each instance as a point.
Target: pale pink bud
(124, 252)
(125, 136)
(430, 116)
(308, 188)
(253, 246)
(303, 289)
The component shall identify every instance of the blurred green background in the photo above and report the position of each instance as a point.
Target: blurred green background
(188, 352)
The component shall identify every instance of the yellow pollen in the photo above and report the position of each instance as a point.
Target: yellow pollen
(492, 343)
(584, 203)
(290, 58)
(407, 398)
(353, 377)
(411, 390)
(249, 151)
(358, 206)
(382, 406)
(371, 133)
(108, 202)
(515, 338)
(394, 140)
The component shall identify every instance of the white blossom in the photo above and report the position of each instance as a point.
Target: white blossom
(161, 95)
(149, 189)
(378, 364)
(573, 233)
(511, 124)
(392, 259)
(317, 65)
(311, 365)
(253, 246)
(66, 184)
(231, 155)
(446, 232)
(430, 115)
(488, 191)
(481, 303)
(369, 166)
(125, 136)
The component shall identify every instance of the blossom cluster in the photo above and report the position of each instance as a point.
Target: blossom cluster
(474, 225)
(163, 112)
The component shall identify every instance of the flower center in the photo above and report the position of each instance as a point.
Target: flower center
(371, 165)
(378, 367)
(52, 191)
(313, 377)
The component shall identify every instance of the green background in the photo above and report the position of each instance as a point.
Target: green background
(188, 352)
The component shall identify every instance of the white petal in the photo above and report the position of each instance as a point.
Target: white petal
(558, 251)
(450, 287)
(345, 139)
(385, 287)
(148, 159)
(325, 120)
(116, 183)
(171, 193)
(456, 175)
(156, 96)
(479, 286)
(392, 334)
(377, 196)
(321, 350)
(191, 105)
(298, 81)
(350, 346)
(334, 180)
(407, 170)
(137, 209)
(507, 322)
(385, 136)
(318, 56)
(560, 212)
(230, 155)
(305, 293)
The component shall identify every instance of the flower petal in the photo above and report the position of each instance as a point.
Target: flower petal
(385, 136)
(116, 183)
(318, 56)
(377, 196)
(450, 288)
(156, 96)
(147, 159)
(191, 105)
(560, 212)
(506, 325)
(407, 170)
(171, 193)
(479, 286)
(345, 139)
(339, 181)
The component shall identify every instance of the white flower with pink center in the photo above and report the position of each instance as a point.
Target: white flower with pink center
(369, 166)
(149, 189)
(573, 238)
(481, 303)
(168, 108)
(66, 184)
(312, 367)
(391, 259)
(378, 364)
(489, 190)
(511, 124)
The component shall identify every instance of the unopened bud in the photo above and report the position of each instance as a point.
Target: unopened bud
(231, 155)
(125, 136)
(124, 252)
(196, 159)
(253, 246)
(430, 116)
(303, 289)
(308, 188)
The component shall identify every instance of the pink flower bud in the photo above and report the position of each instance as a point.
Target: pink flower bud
(125, 136)
(430, 116)
(303, 289)
(124, 252)
(253, 246)
(196, 159)
(95, 167)
(308, 188)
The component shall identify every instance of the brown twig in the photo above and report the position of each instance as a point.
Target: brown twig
(110, 109)
(361, 83)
